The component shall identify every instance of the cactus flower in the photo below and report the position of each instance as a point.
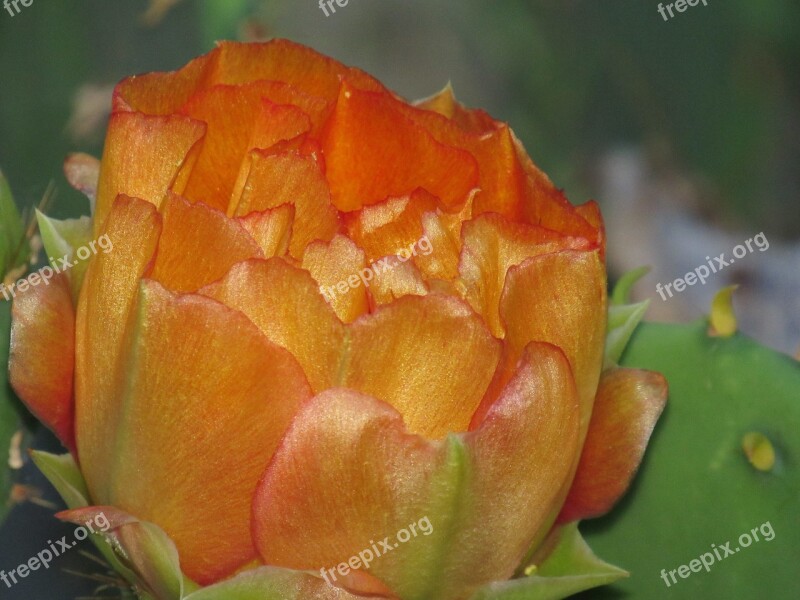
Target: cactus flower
(328, 314)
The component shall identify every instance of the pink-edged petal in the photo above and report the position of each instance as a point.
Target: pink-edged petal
(349, 477)
(626, 410)
(42, 356)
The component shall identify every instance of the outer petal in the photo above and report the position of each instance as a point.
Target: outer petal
(171, 145)
(491, 246)
(182, 405)
(348, 473)
(626, 409)
(198, 245)
(282, 60)
(83, 173)
(164, 93)
(42, 359)
(560, 298)
(430, 357)
(107, 295)
(369, 131)
(284, 302)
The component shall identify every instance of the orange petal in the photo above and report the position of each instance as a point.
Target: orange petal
(198, 245)
(626, 410)
(547, 206)
(316, 109)
(346, 473)
(524, 452)
(501, 176)
(271, 229)
(164, 93)
(397, 280)
(107, 295)
(288, 177)
(443, 232)
(368, 131)
(284, 302)
(281, 60)
(349, 473)
(430, 357)
(174, 436)
(336, 265)
(491, 245)
(560, 298)
(144, 157)
(41, 362)
(238, 119)
(384, 228)
(591, 212)
(274, 123)
(470, 120)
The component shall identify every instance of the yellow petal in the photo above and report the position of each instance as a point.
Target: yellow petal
(430, 357)
(560, 298)
(182, 457)
(336, 265)
(198, 245)
(145, 157)
(284, 302)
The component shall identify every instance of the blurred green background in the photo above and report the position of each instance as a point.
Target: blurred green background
(714, 90)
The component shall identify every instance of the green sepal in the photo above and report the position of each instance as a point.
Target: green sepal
(62, 472)
(62, 239)
(623, 317)
(623, 320)
(14, 249)
(571, 567)
(266, 583)
(622, 290)
(64, 475)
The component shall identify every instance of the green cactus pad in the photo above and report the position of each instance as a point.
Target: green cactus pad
(702, 483)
